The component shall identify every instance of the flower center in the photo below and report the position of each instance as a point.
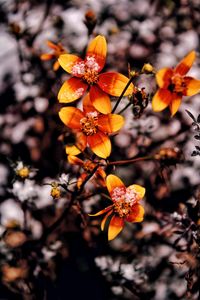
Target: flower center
(124, 199)
(177, 84)
(89, 124)
(90, 76)
(88, 70)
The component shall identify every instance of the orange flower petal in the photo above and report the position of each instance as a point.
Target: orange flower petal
(114, 83)
(100, 100)
(71, 90)
(115, 227)
(192, 86)
(67, 61)
(163, 77)
(71, 117)
(72, 150)
(87, 104)
(185, 64)
(80, 145)
(73, 160)
(136, 215)
(161, 99)
(100, 144)
(56, 66)
(46, 56)
(101, 212)
(140, 190)
(175, 104)
(112, 181)
(110, 123)
(103, 222)
(98, 49)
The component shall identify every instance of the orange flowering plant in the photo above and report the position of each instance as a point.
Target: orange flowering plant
(86, 74)
(57, 50)
(87, 166)
(125, 205)
(174, 84)
(92, 126)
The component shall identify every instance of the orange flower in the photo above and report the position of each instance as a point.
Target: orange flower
(86, 73)
(88, 166)
(58, 49)
(125, 205)
(92, 127)
(173, 85)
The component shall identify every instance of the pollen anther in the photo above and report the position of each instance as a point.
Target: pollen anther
(89, 124)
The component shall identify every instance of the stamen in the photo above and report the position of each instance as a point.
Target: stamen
(124, 199)
(178, 84)
(89, 124)
(87, 69)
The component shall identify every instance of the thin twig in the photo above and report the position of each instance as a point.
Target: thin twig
(122, 94)
(129, 161)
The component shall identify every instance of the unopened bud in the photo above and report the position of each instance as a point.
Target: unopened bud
(23, 172)
(148, 69)
(55, 191)
(169, 156)
(90, 20)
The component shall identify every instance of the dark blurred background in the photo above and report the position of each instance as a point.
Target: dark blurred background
(157, 259)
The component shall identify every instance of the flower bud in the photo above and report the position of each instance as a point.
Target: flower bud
(148, 69)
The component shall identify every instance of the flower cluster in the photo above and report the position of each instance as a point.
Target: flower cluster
(96, 121)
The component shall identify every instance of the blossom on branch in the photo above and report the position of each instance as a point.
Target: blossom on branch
(88, 166)
(86, 74)
(173, 85)
(58, 49)
(93, 127)
(125, 205)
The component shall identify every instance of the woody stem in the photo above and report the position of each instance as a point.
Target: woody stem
(122, 94)
(129, 161)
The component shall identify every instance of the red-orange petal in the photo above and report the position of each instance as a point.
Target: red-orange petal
(161, 99)
(52, 45)
(101, 173)
(136, 215)
(67, 62)
(87, 104)
(115, 227)
(185, 64)
(163, 77)
(100, 100)
(72, 90)
(97, 49)
(73, 160)
(80, 180)
(100, 144)
(114, 83)
(175, 104)
(71, 116)
(103, 222)
(112, 181)
(101, 212)
(110, 123)
(192, 86)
